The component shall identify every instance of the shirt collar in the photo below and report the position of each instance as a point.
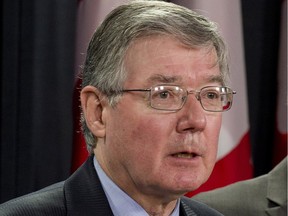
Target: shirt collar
(120, 203)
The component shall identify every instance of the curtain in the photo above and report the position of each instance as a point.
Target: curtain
(37, 80)
(261, 25)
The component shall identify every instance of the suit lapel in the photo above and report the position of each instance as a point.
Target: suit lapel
(84, 193)
(186, 210)
(190, 207)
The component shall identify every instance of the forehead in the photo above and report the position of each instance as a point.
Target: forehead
(163, 59)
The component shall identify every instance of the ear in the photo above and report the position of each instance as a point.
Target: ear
(93, 106)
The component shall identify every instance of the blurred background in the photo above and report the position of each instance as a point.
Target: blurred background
(43, 48)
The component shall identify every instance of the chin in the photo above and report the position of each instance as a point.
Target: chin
(191, 183)
(184, 187)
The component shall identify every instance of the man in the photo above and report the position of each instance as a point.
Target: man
(152, 96)
(264, 195)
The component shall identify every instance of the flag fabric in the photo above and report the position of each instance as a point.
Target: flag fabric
(234, 154)
(79, 151)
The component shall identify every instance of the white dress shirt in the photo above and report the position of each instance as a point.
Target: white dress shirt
(120, 202)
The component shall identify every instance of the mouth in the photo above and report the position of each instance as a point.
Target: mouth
(186, 155)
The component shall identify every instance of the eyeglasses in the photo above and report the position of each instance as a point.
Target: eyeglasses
(173, 98)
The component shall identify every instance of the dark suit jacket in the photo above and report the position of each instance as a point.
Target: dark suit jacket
(81, 195)
(265, 195)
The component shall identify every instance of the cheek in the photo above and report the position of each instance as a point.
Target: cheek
(151, 137)
(140, 145)
(150, 133)
(138, 133)
(145, 129)
(213, 126)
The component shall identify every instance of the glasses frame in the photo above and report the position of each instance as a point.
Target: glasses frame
(195, 92)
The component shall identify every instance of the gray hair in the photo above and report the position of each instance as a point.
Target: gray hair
(104, 65)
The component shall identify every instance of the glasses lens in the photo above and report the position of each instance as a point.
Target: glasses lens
(167, 97)
(216, 99)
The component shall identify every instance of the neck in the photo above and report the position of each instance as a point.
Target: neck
(158, 210)
(161, 203)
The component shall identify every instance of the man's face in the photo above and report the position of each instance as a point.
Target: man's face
(161, 153)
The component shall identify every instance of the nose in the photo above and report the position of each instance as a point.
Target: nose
(192, 117)
(195, 93)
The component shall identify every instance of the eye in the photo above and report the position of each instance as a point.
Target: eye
(167, 97)
(210, 94)
(164, 94)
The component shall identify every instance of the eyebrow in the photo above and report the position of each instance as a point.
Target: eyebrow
(160, 78)
(216, 78)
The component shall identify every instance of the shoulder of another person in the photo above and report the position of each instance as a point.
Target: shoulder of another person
(195, 208)
(230, 200)
(242, 190)
(47, 201)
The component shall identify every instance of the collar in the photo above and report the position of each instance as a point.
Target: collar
(84, 194)
(120, 202)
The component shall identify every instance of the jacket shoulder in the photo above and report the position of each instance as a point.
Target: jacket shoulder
(47, 201)
(195, 208)
(230, 199)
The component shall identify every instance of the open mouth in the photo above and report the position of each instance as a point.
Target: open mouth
(185, 155)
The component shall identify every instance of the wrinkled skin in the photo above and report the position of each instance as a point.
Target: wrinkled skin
(156, 156)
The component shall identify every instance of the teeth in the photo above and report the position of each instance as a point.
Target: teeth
(184, 155)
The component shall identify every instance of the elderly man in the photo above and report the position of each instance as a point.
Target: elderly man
(153, 93)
